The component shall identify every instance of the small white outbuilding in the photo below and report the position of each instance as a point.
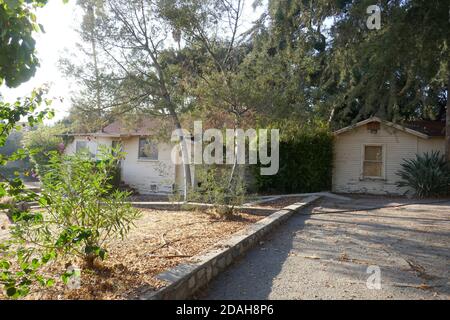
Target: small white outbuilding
(368, 154)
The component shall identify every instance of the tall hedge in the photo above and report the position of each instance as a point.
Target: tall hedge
(306, 155)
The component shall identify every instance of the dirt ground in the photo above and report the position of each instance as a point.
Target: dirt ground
(275, 204)
(326, 254)
(161, 240)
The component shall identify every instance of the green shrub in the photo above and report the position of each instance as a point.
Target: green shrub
(427, 175)
(81, 201)
(80, 214)
(214, 188)
(306, 155)
(40, 142)
(114, 174)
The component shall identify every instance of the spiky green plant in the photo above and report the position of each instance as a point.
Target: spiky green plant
(427, 175)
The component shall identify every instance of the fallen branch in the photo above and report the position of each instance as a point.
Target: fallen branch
(169, 256)
(420, 271)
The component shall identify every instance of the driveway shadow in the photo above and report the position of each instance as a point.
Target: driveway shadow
(327, 255)
(251, 277)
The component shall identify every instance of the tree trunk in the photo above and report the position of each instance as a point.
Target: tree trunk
(236, 152)
(89, 260)
(186, 165)
(184, 154)
(447, 122)
(233, 169)
(94, 57)
(330, 118)
(170, 106)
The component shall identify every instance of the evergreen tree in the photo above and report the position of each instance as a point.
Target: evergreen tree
(93, 94)
(350, 72)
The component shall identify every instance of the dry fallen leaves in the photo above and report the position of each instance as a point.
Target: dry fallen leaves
(161, 240)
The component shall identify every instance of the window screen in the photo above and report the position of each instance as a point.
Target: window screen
(81, 147)
(148, 149)
(373, 161)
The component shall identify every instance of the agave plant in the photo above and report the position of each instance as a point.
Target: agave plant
(427, 175)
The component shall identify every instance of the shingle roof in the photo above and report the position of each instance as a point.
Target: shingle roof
(422, 128)
(142, 127)
(428, 127)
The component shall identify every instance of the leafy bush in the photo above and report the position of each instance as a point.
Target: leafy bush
(214, 188)
(114, 174)
(16, 280)
(306, 156)
(19, 167)
(427, 175)
(80, 213)
(81, 201)
(40, 142)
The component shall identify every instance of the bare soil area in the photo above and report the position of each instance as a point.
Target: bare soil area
(161, 240)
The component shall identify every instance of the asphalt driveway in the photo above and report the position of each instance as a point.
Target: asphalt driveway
(326, 254)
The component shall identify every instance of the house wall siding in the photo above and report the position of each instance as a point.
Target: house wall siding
(142, 174)
(138, 173)
(93, 144)
(432, 144)
(398, 145)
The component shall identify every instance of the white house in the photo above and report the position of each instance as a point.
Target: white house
(148, 166)
(367, 155)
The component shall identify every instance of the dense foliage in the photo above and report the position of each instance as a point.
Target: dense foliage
(81, 212)
(40, 142)
(347, 72)
(22, 166)
(18, 61)
(427, 175)
(214, 188)
(17, 64)
(306, 156)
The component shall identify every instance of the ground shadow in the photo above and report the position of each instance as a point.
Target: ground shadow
(251, 277)
(410, 246)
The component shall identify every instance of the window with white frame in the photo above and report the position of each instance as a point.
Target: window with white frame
(373, 161)
(81, 147)
(148, 149)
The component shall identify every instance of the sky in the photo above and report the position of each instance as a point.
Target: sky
(60, 22)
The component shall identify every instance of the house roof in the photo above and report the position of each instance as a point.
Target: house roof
(141, 127)
(428, 127)
(422, 128)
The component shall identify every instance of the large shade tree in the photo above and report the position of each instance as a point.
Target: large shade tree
(142, 52)
(216, 45)
(349, 71)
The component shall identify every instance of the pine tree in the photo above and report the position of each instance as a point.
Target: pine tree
(398, 72)
(91, 70)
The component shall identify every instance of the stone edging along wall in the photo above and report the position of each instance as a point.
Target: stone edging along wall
(185, 279)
